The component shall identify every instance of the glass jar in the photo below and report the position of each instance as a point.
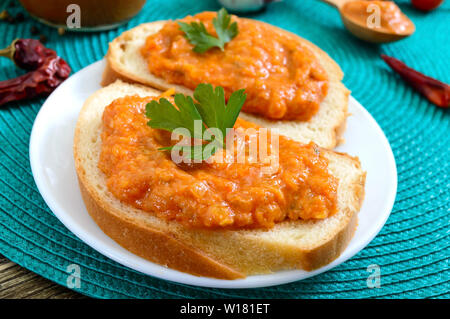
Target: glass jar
(83, 15)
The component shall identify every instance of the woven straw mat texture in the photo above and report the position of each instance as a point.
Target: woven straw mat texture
(412, 249)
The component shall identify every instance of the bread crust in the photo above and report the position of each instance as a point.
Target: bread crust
(110, 76)
(332, 249)
(152, 244)
(169, 246)
(116, 70)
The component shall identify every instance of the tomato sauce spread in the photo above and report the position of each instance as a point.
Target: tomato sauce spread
(282, 78)
(211, 194)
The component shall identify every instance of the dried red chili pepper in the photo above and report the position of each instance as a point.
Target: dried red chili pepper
(434, 90)
(47, 70)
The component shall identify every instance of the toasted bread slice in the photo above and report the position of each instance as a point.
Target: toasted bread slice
(226, 254)
(325, 128)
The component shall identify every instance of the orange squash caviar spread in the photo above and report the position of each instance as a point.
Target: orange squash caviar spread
(211, 194)
(282, 77)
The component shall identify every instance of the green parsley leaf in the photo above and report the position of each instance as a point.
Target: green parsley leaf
(165, 116)
(198, 36)
(210, 109)
(211, 106)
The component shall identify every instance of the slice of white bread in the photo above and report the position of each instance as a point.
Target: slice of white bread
(124, 61)
(226, 254)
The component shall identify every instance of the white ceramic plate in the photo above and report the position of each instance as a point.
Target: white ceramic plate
(54, 172)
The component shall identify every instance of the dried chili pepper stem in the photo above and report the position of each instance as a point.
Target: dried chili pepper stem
(434, 90)
(8, 52)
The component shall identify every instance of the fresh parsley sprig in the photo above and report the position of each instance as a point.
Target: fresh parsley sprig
(209, 108)
(198, 36)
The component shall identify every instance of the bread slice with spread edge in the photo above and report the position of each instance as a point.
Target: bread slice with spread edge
(325, 128)
(226, 254)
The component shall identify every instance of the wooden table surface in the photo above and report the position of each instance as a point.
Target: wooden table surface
(18, 282)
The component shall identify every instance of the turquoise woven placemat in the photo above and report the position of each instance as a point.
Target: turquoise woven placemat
(412, 249)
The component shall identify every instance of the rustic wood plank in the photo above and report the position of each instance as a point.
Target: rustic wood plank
(17, 282)
(6, 265)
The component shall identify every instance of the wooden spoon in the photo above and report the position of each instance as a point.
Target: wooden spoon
(358, 24)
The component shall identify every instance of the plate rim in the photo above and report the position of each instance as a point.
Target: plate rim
(189, 279)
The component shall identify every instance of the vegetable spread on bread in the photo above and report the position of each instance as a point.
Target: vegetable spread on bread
(222, 191)
(282, 77)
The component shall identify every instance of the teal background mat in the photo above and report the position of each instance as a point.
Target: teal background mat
(412, 249)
